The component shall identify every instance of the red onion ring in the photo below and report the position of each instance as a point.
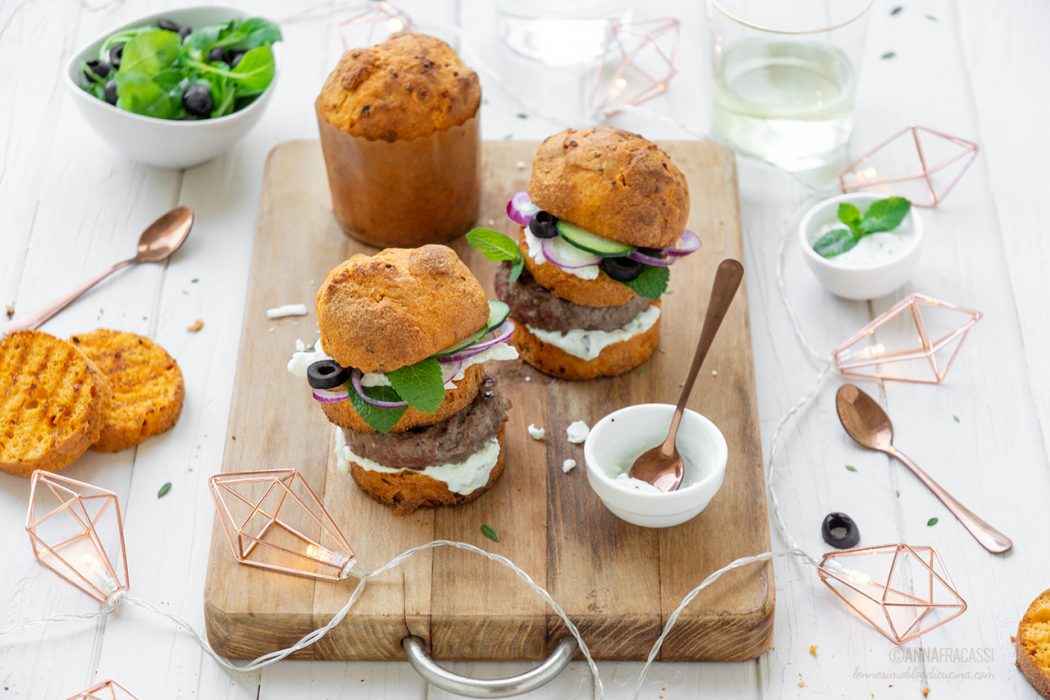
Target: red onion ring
(355, 380)
(449, 368)
(499, 335)
(331, 396)
(520, 208)
(641, 257)
(552, 257)
(687, 244)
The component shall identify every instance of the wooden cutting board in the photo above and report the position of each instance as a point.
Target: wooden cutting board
(617, 581)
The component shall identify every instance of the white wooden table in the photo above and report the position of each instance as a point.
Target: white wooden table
(975, 69)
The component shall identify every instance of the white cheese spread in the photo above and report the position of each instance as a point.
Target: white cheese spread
(587, 345)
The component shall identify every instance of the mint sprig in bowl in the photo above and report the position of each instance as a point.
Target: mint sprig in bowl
(862, 245)
(154, 121)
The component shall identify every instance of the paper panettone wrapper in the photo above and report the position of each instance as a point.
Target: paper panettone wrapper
(404, 193)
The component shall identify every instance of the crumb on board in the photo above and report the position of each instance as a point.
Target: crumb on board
(812, 649)
(568, 465)
(528, 377)
(577, 432)
(520, 165)
(195, 326)
(801, 683)
(714, 373)
(536, 433)
(925, 692)
(286, 310)
(9, 310)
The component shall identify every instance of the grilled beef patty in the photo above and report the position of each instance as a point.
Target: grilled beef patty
(447, 442)
(535, 306)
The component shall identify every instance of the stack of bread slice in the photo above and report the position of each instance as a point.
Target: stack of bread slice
(103, 390)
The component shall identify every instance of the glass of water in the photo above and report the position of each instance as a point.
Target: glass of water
(785, 75)
(559, 32)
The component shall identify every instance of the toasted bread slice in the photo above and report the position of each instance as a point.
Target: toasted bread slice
(148, 390)
(1033, 644)
(53, 402)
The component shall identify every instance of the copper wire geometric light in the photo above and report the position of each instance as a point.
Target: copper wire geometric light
(919, 340)
(917, 162)
(106, 690)
(77, 532)
(902, 591)
(273, 520)
(646, 54)
(374, 25)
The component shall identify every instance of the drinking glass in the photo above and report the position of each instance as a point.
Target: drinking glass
(785, 74)
(559, 32)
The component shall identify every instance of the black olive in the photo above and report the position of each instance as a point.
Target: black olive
(115, 54)
(111, 92)
(185, 32)
(99, 68)
(840, 531)
(234, 57)
(197, 100)
(543, 225)
(326, 374)
(216, 54)
(621, 269)
(169, 25)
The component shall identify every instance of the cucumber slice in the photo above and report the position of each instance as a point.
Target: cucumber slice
(498, 313)
(591, 242)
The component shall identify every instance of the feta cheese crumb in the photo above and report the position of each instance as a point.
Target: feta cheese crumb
(568, 465)
(520, 165)
(577, 432)
(536, 433)
(286, 310)
(528, 378)
(714, 373)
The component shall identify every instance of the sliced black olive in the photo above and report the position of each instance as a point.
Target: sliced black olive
(232, 58)
(621, 269)
(99, 68)
(197, 100)
(326, 374)
(544, 225)
(116, 54)
(169, 25)
(185, 32)
(216, 54)
(111, 92)
(840, 531)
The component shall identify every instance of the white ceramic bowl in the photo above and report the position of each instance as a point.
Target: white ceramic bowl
(165, 143)
(869, 282)
(621, 436)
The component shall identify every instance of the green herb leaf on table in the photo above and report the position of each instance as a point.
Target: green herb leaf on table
(932, 521)
(381, 419)
(651, 283)
(420, 385)
(850, 467)
(956, 419)
(163, 491)
(487, 531)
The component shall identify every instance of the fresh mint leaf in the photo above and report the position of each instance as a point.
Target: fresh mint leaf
(885, 215)
(651, 283)
(494, 245)
(932, 521)
(850, 215)
(836, 242)
(382, 419)
(420, 385)
(163, 490)
(850, 467)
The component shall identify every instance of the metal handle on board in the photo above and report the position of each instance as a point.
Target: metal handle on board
(488, 688)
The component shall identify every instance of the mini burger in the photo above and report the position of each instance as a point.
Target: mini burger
(602, 221)
(399, 368)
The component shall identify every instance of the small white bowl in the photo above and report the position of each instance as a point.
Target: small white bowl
(870, 282)
(616, 440)
(165, 143)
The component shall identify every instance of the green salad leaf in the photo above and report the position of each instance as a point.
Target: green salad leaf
(381, 419)
(883, 215)
(652, 283)
(420, 385)
(254, 72)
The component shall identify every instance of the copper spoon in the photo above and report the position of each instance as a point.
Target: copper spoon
(156, 244)
(662, 466)
(870, 427)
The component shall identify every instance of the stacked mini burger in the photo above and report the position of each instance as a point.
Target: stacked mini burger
(398, 367)
(603, 220)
